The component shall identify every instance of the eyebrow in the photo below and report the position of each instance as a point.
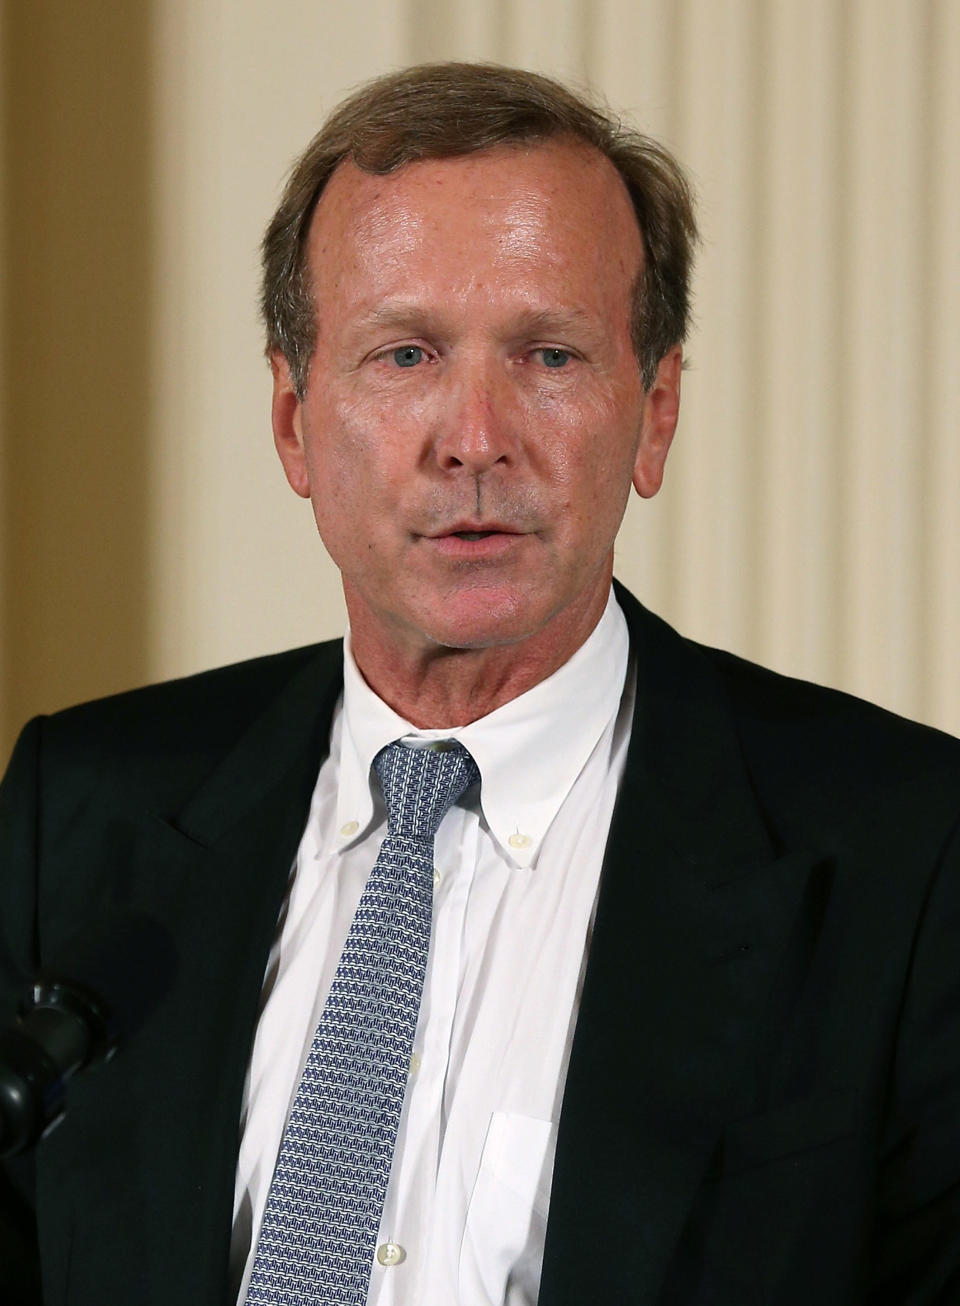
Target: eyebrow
(545, 321)
(526, 321)
(398, 313)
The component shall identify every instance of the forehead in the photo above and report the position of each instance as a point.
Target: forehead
(555, 213)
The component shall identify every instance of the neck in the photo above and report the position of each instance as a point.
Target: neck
(434, 687)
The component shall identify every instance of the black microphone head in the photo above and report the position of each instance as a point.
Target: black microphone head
(88, 998)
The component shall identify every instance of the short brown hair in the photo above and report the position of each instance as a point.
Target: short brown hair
(436, 111)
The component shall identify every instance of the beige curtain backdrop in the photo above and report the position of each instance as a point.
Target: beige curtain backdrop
(811, 517)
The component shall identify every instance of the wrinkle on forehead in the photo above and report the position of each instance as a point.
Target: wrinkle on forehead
(407, 223)
(510, 209)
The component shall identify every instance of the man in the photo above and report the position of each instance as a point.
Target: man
(690, 1019)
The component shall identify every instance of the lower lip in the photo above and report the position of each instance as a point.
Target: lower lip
(490, 546)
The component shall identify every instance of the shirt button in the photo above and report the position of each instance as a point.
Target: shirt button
(415, 1064)
(437, 877)
(519, 841)
(351, 827)
(390, 1254)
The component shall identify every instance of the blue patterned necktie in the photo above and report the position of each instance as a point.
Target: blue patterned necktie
(322, 1217)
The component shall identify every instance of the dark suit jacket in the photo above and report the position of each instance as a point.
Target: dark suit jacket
(763, 1100)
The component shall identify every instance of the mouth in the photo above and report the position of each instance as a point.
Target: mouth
(475, 530)
(476, 541)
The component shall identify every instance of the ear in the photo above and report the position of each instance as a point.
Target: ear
(287, 414)
(661, 408)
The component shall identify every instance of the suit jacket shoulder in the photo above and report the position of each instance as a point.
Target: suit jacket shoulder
(78, 776)
(168, 732)
(814, 755)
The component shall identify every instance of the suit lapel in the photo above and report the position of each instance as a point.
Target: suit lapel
(249, 818)
(696, 909)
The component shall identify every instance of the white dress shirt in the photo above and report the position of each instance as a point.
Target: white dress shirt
(517, 870)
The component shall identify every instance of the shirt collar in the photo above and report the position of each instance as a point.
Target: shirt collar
(529, 751)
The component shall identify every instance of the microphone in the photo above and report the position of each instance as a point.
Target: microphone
(81, 1008)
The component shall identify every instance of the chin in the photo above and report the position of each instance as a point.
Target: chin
(480, 621)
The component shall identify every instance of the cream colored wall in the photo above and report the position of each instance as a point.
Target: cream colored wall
(75, 320)
(811, 517)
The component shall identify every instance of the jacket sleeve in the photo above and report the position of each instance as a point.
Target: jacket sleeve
(19, 1259)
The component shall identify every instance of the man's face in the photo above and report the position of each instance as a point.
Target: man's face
(474, 414)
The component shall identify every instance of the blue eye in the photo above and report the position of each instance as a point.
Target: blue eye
(408, 356)
(555, 357)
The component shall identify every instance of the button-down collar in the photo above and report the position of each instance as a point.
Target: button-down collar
(529, 751)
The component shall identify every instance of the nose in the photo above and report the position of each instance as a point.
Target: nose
(479, 424)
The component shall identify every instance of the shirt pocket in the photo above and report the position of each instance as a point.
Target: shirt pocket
(501, 1254)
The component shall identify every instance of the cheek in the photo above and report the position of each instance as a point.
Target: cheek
(339, 430)
(346, 454)
(357, 425)
(587, 450)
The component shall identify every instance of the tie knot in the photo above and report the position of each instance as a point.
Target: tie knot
(420, 785)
